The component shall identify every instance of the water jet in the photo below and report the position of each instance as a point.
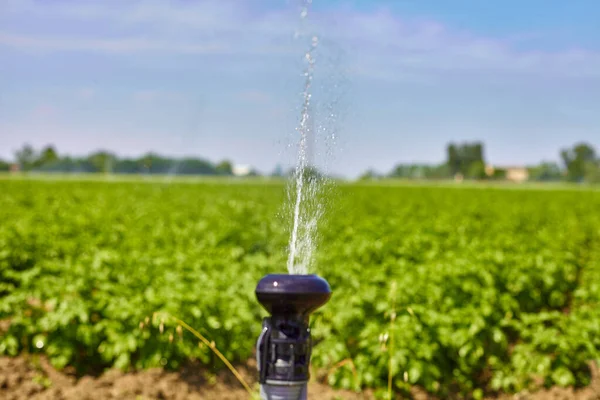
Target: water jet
(284, 346)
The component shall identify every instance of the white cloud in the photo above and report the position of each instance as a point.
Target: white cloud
(124, 45)
(380, 43)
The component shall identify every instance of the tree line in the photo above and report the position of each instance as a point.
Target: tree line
(48, 160)
(580, 163)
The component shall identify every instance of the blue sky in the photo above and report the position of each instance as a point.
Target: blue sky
(223, 79)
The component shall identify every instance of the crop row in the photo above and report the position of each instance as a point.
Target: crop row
(465, 290)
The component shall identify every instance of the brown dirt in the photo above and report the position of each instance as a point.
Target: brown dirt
(33, 378)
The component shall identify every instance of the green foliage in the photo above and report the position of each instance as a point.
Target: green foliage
(369, 175)
(476, 170)
(545, 172)
(495, 289)
(48, 160)
(224, 168)
(420, 171)
(592, 172)
(47, 156)
(104, 161)
(26, 157)
(463, 157)
(499, 174)
(576, 159)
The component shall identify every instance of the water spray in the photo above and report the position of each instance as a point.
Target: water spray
(284, 346)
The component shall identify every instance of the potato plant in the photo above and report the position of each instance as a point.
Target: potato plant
(496, 289)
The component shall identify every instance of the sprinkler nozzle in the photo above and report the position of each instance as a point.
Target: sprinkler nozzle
(284, 346)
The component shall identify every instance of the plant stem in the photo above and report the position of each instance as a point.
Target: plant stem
(212, 346)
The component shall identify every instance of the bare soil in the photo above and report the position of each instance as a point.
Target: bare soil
(33, 378)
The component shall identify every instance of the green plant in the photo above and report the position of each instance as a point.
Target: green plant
(500, 287)
(391, 348)
(211, 345)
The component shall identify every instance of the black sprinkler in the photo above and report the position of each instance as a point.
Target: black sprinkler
(284, 345)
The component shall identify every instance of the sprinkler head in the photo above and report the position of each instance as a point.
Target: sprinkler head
(284, 346)
(298, 295)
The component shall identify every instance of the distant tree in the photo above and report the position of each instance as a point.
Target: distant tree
(102, 161)
(575, 160)
(4, 166)
(474, 156)
(454, 161)
(420, 171)
(277, 172)
(224, 168)
(592, 171)
(127, 166)
(545, 172)
(438, 172)
(47, 156)
(253, 172)
(368, 175)
(195, 166)
(466, 158)
(498, 174)
(152, 163)
(145, 163)
(26, 157)
(408, 171)
(476, 170)
(400, 171)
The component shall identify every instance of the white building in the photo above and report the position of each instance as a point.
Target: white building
(242, 170)
(512, 173)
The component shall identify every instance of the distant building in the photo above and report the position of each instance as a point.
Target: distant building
(511, 173)
(242, 170)
(517, 174)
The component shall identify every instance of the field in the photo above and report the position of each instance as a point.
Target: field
(470, 291)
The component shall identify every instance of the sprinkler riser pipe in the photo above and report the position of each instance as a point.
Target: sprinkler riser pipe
(280, 392)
